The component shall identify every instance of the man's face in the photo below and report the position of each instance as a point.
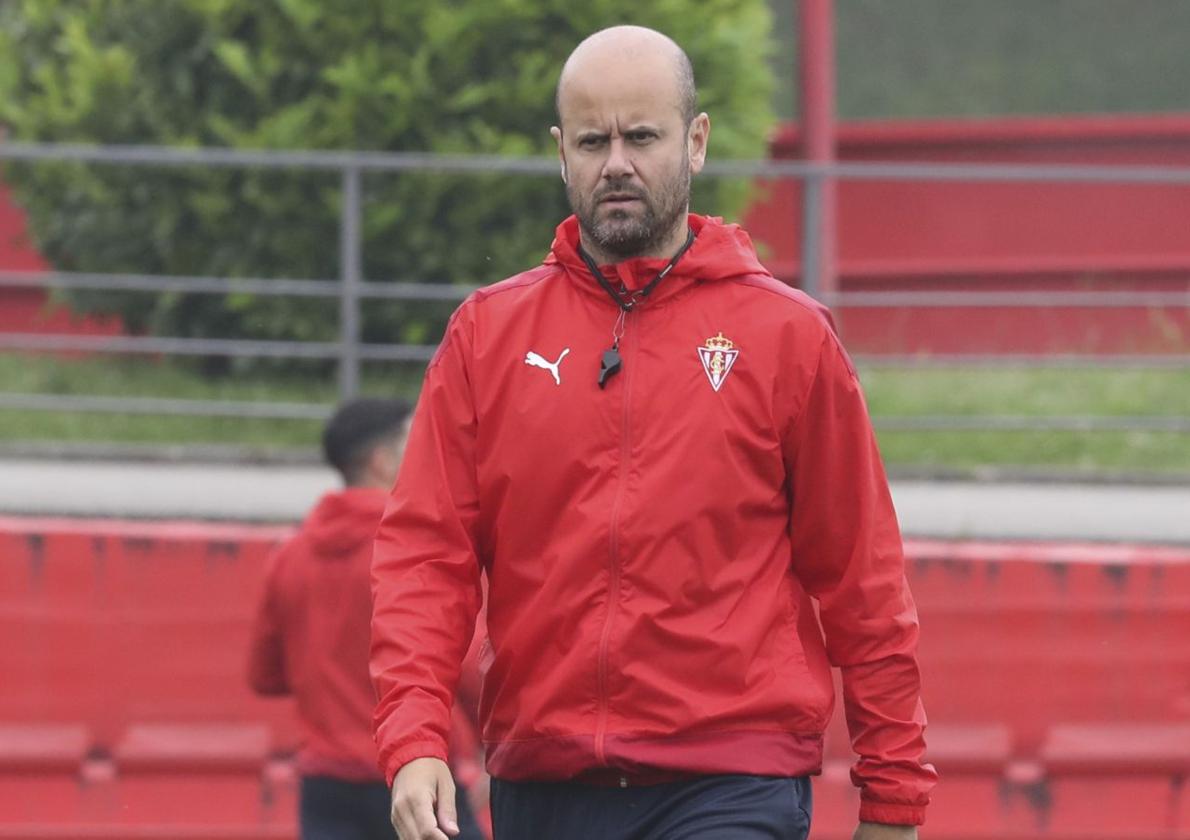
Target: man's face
(627, 160)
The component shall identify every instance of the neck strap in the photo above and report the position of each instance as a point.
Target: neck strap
(628, 301)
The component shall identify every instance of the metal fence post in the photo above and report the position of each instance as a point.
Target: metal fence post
(812, 234)
(350, 278)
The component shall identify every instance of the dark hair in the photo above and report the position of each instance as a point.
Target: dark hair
(356, 428)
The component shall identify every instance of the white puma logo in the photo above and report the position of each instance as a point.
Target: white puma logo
(536, 360)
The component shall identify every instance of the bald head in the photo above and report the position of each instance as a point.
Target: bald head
(630, 47)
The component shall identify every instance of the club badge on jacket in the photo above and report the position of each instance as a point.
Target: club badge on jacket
(718, 357)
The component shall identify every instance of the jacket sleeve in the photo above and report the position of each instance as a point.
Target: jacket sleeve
(847, 552)
(425, 568)
(266, 652)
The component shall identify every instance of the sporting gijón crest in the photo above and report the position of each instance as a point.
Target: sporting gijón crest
(718, 357)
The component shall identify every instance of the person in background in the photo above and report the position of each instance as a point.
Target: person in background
(312, 633)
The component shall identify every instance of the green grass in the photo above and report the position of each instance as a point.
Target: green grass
(1024, 391)
(902, 392)
(891, 392)
(151, 378)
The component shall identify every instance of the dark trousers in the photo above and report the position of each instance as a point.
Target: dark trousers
(710, 808)
(332, 809)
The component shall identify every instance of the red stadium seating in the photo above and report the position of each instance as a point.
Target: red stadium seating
(113, 624)
(1142, 765)
(1056, 680)
(1028, 651)
(41, 778)
(125, 643)
(212, 771)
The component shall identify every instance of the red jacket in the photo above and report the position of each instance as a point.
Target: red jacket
(312, 634)
(651, 548)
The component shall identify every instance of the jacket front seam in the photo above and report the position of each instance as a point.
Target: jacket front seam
(613, 591)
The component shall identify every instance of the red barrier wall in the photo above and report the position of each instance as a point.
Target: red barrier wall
(112, 623)
(1054, 675)
(932, 235)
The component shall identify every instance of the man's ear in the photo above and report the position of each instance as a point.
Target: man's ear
(696, 141)
(556, 133)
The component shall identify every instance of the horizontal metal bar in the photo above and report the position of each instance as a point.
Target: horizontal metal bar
(424, 352)
(1026, 423)
(1009, 173)
(446, 292)
(210, 347)
(169, 407)
(1135, 361)
(168, 283)
(1009, 300)
(318, 411)
(428, 162)
(171, 346)
(228, 285)
(414, 291)
(397, 352)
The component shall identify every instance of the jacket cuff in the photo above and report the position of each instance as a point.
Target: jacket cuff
(891, 813)
(406, 753)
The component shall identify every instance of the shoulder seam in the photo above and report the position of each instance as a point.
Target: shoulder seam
(748, 280)
(518, 281)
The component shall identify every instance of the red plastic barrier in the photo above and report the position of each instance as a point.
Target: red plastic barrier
(126, 642)
(955, 235)
(113, 623)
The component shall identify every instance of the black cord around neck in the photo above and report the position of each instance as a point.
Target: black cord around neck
(629, 301)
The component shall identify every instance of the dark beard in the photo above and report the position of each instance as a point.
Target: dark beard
(622, 238)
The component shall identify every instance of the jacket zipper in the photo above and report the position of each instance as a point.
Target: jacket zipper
(613, 594)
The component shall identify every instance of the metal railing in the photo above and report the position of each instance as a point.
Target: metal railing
(350, 288)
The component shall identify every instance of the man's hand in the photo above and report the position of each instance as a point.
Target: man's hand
(424, 801)
(879, 831)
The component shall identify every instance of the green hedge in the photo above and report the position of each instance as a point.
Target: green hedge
(455, 76)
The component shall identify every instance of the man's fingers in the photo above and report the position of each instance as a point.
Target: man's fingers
(403, 820)
(448, 818)
(418, 787)
(425, 820)
(413, 817)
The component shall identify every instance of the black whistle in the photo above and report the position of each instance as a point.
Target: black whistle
(609, 365)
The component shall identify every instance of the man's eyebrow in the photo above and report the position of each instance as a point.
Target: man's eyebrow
(592, 134)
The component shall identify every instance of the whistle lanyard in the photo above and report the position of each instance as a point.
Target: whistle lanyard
(610, 362)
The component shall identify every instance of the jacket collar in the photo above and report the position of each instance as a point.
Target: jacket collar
(720, 251)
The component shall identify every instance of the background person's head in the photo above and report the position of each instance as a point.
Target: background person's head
(629, 140)
(365, 439)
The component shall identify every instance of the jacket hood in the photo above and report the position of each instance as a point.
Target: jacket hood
(720, 251)
(342, 520)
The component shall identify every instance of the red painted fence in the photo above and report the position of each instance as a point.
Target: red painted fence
(932, 236)
(1057, 681)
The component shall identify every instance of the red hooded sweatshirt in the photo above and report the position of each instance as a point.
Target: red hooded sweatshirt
(311, 640)
(653, 548)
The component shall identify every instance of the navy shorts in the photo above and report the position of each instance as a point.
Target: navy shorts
(332, 809)
(709, 808)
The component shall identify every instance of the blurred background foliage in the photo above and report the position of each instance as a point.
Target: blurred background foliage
(454, 76)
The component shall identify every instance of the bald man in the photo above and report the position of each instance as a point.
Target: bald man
(660, 459)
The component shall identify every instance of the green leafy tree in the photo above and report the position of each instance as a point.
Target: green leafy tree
(452, 76)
